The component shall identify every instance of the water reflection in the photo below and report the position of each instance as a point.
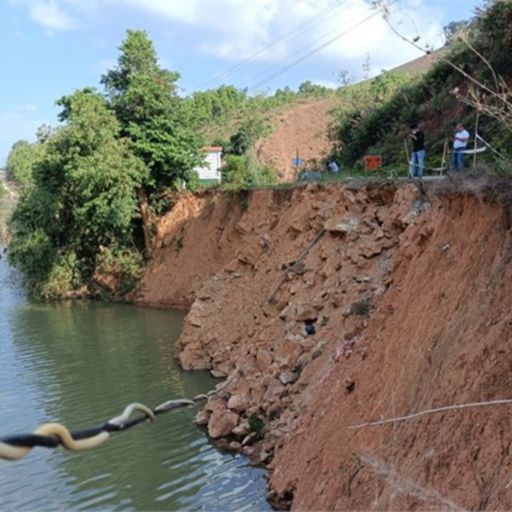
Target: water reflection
(82, 363)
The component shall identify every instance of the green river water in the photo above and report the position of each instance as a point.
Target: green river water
(81, 364)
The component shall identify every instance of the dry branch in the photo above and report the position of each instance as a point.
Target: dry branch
(431, 411)
(495, 101)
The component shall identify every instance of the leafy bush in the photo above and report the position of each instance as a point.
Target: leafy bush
(244, 171)
(63, 279)
(123, 266)
(33, 252)
(216, 105)
(309, 89)
(256, 424)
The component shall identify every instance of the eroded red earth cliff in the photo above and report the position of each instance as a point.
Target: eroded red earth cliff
(328, 307)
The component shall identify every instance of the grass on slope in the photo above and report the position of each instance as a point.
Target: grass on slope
(383, 128)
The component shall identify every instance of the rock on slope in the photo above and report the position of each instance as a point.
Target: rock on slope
(407, 291)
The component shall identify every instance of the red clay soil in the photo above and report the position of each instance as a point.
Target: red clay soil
(408, 290)
(194, 241)
(304, 128)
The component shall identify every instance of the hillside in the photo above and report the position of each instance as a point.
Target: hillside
(305, 124)
(472, 76)
(324, 307)
(420, 65)
(302, 129)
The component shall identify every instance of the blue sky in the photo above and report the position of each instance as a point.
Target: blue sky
(52, 47)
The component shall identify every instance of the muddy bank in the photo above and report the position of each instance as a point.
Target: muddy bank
(325, 307)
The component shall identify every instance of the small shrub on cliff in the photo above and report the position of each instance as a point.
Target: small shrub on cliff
(122, 266)
(63, 279)
(256, 424)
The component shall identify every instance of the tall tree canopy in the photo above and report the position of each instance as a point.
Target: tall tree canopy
(152, 115)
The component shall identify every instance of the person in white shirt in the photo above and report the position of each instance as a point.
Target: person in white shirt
(460, 143)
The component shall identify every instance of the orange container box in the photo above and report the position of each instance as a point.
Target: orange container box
(372, 162)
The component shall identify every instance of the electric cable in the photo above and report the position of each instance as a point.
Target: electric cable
(52, 435)
(293, 33)
(315, 50)
(297, 52)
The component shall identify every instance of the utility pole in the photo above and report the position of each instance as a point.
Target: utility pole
(477, 120)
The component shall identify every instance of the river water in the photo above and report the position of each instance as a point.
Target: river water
(81, 364)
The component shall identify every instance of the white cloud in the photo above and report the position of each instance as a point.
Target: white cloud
(237, 29)
(233, 30)
(50, 15)
(183, 10)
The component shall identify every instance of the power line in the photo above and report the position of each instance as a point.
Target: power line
(315, 50)
(297, 52)
(274, 43)
(295, 32)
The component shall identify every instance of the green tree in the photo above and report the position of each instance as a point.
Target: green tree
(247, 135)
(308, 88)
(385, 85)
(22, 159)
(83, 201)
(217, 105)
(152, 115)
(454, 29)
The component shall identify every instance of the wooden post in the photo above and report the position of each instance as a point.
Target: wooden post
(408, 157)
(445, 154)
(477, 120)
